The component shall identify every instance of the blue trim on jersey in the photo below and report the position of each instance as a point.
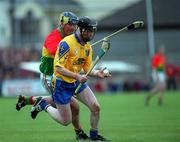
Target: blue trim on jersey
(77, 38)
(64, 91)
(63, 48)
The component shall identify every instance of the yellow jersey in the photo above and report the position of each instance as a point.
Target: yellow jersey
(72, 56)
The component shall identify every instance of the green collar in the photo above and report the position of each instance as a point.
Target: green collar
(61, 31)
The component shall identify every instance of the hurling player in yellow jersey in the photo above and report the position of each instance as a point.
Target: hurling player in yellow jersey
(67, 25)
(73, 56)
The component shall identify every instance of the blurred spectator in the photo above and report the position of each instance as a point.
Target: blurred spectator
(10, 59)
(136, 86)
(145, 85)
(126, 86)
(178, 74)
(1, 80)
(171, 77)
(112, 86)
(99, 87)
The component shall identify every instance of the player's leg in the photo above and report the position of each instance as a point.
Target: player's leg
(75, 113)
(160, 99)
(61, 114)
(152, 93)
(55, 114)
(46, 82)
(88, 98)
(155, 89)
(161, 87)
(80, 134)
(162, 92)
(24, 100)
(62, 98)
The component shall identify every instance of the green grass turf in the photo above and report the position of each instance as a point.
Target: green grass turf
(124, 118)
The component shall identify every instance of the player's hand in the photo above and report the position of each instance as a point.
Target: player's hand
(103, 73)
(82, 78)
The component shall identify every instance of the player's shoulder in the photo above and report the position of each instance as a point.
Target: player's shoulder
(63, 48)
(69, 37)
(66, 42)
(53, 35)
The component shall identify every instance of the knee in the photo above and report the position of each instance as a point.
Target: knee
(65, 122)
(95, 108)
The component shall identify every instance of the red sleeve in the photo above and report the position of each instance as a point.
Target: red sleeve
(51, 43)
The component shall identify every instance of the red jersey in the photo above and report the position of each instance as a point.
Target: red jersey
(49, 50)
(158, 62)
(51, 42)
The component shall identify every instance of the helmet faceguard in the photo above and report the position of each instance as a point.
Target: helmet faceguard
(87, 25)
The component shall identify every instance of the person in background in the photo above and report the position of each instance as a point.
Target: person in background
(99, 86)
(178, 75)
(171, 77)
(158, 76)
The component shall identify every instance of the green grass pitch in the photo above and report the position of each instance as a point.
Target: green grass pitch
(124, 118)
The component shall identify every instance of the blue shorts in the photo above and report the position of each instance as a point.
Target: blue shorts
(64, 91)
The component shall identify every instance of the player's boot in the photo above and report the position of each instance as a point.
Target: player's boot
(38, 106)
(81, 135)
(99, 138)
(94, 136)
(21, 102)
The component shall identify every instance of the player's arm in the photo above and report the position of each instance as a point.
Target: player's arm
(63, 71)
(51, 44)
(66, 72)
(96, 73)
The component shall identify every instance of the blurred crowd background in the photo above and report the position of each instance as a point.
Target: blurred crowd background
(24, 24)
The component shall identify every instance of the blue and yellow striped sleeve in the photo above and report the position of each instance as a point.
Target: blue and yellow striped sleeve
(62, 54)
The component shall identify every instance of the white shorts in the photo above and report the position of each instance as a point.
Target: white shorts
(46, 82)
(158, 76)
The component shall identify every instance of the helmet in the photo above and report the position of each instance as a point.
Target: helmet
(68, 17)
(87, 23)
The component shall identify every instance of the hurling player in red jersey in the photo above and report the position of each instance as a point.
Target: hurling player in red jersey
(158, 76)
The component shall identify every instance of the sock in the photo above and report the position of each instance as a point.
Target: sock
(77, 130)
(44, 105)
(93, 133)
(29, 100)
